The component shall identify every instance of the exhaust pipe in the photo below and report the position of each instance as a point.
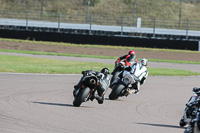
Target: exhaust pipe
(92, 81)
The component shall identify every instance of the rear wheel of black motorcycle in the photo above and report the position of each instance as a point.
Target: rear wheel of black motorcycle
(81, 97)
(116, 92)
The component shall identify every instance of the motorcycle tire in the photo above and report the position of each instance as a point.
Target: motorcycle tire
(182, 123)
(196, 127)
(114, 77)
(81, 97)
(186, 131)
(116, 92)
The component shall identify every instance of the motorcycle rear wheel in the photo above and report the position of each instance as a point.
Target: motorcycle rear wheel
(81, 97)
(116, 92)
(196, 127)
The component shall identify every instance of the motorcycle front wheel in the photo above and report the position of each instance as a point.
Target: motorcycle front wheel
(182, 123)
(81, 97)
(114, 77)
(116, 92)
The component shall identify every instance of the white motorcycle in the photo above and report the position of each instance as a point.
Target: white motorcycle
(129, 81)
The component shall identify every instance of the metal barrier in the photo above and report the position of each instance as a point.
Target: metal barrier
(154, 28)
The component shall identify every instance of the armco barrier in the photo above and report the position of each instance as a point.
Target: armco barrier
(100, 39)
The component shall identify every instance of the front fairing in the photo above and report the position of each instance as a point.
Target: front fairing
(127, 78)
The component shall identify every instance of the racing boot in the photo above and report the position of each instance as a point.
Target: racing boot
(133, 89)
(182, 123)
(76, 88)
(100, 99)
(100, 96)
(136, 91)
(137, 88)
(75, 91)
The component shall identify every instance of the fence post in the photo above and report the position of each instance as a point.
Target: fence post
(42, 4)
(187, 29)
(134, 10)
(199, 46)
(122, 26)
(26, 20)
(88, 12)
(154, 27)
(59, 15)
(180, 10)
(90, 25)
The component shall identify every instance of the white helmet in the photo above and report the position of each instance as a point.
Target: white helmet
(144, 61)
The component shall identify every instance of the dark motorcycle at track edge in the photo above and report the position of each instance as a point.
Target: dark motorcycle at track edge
(194, 125)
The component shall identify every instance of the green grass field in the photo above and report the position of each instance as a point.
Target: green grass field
(20, 64)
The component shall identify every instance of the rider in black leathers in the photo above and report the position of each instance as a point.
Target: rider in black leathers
(190, 108)
(104, 82)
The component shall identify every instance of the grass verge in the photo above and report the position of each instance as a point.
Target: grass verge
(90, 56)
(20, 64)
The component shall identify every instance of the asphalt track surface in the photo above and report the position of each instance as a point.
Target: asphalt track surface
(42, 103)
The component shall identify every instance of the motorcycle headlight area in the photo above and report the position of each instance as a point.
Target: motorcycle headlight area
(128, 79)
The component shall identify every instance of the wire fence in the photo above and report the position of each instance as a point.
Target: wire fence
(104, 20)
(130, 16)
(140, 8)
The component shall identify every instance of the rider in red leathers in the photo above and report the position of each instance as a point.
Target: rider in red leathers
(130, 58)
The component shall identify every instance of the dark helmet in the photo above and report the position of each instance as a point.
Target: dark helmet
(105, 71)
(196, 90)
(131, 52)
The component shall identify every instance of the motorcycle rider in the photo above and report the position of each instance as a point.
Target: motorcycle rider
(130, 58)
(135, 87)
(191, 110)
(104, 82)
(186, 119)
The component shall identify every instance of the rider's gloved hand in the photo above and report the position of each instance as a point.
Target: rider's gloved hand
(128, 68)
(117, 61)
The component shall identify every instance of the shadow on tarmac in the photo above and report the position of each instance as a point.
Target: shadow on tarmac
(57, 104)
(161, 125)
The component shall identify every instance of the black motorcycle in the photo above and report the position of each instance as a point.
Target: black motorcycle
(194, 125)
(118, 68)
(87, 89)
